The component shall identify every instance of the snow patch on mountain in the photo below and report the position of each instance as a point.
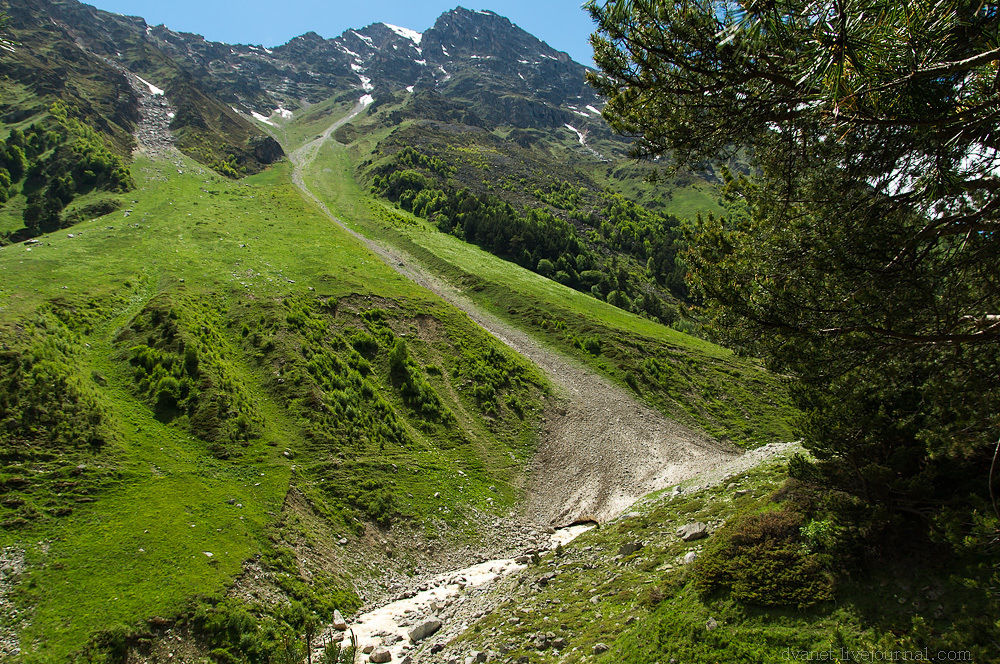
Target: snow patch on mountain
(412, 35)
(364, 38)
(578, 133)
(367, 100)
(153, 90)
(260, 118)
(583, 141)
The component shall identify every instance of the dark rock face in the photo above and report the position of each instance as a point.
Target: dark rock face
(267, 150)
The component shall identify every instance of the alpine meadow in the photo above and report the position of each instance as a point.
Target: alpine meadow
(440, 347)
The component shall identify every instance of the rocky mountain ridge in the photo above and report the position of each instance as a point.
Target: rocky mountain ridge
(474, 55)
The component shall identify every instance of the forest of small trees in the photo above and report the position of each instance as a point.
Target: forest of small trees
(53, 162)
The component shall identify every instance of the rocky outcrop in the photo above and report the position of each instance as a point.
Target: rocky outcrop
(266, 150)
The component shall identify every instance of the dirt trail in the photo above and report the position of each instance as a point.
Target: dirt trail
(601, 449)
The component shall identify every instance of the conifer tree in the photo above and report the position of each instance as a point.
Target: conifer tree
(861, 253)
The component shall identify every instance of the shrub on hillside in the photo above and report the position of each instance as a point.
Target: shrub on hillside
(760, 559)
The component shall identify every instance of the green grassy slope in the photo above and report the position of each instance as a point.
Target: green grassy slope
(685, 377)
(215, 368)
(212, 347)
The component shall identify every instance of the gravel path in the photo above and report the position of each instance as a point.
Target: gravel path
(601, 449)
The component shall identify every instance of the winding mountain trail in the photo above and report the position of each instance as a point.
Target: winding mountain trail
(601, 449)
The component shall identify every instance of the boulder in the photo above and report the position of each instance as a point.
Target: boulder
(693, 531)
(380, 656)
(628, 548)
(338, 621)
(711, 624)
(690, 557)
(422, 630)
(600, 648)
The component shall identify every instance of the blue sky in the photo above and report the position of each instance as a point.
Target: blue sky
(560, 23)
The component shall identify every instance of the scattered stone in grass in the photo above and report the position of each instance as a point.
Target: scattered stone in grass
(693, 531)
(544, 579)
(600, 648)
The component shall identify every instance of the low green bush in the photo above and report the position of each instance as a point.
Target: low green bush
(760, 559)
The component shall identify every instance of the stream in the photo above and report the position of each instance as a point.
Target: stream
(389, 625)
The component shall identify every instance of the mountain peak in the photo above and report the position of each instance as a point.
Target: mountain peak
(310, 37)
(485, 34)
